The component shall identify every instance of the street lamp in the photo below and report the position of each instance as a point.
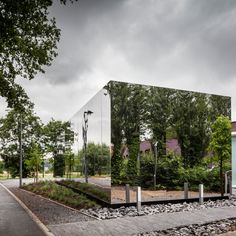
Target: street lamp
(155, 169)
(85, 130)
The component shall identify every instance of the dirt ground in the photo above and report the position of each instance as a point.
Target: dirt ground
(118, 195)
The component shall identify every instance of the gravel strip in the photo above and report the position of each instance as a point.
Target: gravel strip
(49, 212)
(109, 213)
(214, 228)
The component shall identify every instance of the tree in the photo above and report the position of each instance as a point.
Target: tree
(35, 160)
(159, 106)
(190, 112)
(220, 143)
(69, 163)
(10, 130)
(128, 111)
(55, 136)
(219, 105)
(28, 41)
(98, 159)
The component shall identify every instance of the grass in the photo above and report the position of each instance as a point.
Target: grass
(61, 194)
(91, 189)
(4, 176)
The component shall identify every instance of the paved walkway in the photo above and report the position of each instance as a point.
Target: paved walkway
(14, 220)
(142, 224)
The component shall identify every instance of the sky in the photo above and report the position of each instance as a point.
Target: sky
(185, 44)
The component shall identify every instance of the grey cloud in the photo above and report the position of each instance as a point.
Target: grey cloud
(160, 42)
(145, 32)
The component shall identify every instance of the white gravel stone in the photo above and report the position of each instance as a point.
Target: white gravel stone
(109, 213)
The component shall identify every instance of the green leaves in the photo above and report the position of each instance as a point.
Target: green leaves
(220, 142)
(28, 42)
(10, 137)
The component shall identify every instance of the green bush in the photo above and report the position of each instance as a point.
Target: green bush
(59, 193)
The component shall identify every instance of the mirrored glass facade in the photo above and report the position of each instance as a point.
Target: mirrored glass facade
(91, 126)
(234, 159)
(131, 135)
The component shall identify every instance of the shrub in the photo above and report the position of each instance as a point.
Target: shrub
(59, 193)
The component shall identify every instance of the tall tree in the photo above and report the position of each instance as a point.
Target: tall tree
(219, 105)
(35, 160)
(12, 127)
(220, 143)
(159, 106)
(190, 121)
(28, 41)
(127, 115)
(56, 135)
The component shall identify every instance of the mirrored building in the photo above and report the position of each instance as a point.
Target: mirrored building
(153, 137)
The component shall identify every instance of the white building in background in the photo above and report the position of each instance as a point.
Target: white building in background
(234, 154)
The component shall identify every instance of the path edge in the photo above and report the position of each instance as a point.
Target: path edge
(46, 231)
(61, 204)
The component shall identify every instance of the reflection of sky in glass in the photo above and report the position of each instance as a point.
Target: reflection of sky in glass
(99, 126)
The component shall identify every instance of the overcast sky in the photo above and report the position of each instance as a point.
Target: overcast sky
(185, 44)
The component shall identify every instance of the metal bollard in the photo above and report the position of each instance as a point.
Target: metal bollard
(127, 193)
(226, 183)
(138, 198)
(201, 194)
(186, 190)
(230, 187)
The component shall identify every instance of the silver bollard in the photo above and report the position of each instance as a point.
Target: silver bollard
(138, 198)
(230, 187)
(185, 190)
(226, 183)
(201, 193)
(127, 193)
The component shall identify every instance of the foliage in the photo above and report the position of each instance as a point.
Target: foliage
(35, 160)
(10, 137)
(69, 163)
(159, 105)
(220, 142)
(116, 169)
(1, 167)
(98, 159)
(155, 115)
(56, 135)
(28, 41)
(59, 193)
(190, 120)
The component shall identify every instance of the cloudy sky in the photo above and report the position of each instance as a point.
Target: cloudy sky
(185, 44)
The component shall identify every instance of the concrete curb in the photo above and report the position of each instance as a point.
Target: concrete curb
(46, 231)
(61, 204)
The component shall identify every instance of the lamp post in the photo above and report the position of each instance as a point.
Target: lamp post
(21, 151)
(85, 130)
(155, 169)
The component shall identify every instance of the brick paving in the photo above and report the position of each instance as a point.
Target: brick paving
(142, 224)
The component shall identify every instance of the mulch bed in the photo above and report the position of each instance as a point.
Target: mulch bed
(47, 211)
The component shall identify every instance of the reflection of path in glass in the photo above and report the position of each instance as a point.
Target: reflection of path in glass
(104, 182)
(118, 195)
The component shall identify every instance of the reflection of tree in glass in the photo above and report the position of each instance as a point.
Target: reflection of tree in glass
(98, 159)
(162, 115)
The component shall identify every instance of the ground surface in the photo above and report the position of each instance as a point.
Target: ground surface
(63, 221)
(118, 195)
(13, 218)
(142, 224)
(47, 211)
